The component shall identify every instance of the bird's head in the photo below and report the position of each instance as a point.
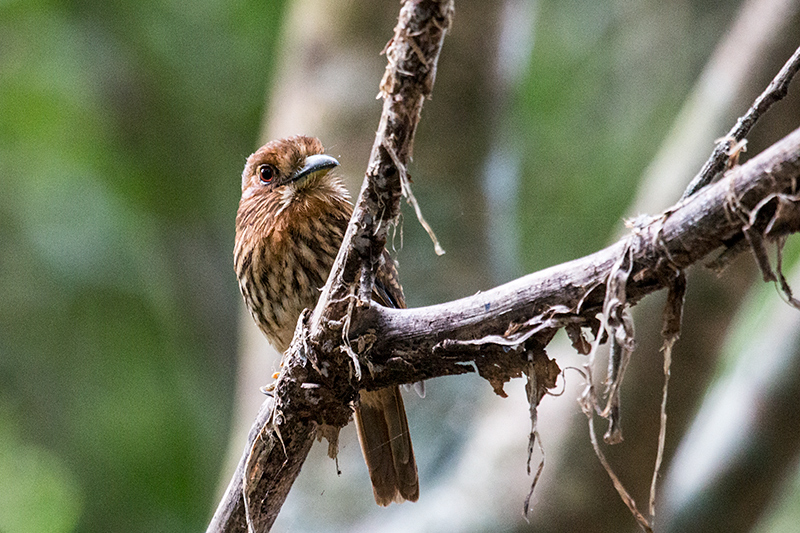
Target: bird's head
(288, 180)
(288, 166)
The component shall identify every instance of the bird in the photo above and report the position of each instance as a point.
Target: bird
(290, 223)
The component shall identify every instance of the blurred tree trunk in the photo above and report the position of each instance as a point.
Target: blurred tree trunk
(742, 448)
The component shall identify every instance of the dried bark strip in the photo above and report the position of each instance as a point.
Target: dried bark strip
(671, 330)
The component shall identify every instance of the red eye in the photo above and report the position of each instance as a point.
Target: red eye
(266, 173)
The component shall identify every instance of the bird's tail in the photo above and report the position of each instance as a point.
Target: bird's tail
(386, 444)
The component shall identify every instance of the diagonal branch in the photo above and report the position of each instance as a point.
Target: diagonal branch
(728, 148)
(573, 293)
(283, 433)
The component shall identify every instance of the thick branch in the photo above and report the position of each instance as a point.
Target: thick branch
(572, 293)
(313, 390)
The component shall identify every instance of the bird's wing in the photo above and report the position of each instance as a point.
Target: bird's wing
(387, 290)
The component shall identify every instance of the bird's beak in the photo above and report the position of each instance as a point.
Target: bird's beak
(315, 165)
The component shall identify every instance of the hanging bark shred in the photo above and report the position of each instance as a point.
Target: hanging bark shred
(535, 392)
(577, 338)
(784, 285)
(627, 499)
(619, 325)
(670, 331)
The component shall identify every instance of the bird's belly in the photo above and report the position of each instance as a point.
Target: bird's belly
(286, 284)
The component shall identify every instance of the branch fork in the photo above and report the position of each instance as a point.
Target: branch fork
(513, 323)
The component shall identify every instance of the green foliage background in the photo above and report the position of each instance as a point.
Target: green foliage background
(122, 128)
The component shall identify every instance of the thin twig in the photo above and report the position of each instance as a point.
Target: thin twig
(774, 92)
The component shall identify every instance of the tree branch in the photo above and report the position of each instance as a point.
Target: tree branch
(282, 437)
(497, 331)
(230, 514)
(573, 293)
(774, 92)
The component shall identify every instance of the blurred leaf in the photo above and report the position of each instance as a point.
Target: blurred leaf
(37, 491)
(122, 136)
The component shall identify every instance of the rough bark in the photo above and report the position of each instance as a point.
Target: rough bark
(500, 332)
(408, 345)
(280, 442)
(573, 292)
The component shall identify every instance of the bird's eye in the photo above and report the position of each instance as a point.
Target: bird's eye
(266, 173)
